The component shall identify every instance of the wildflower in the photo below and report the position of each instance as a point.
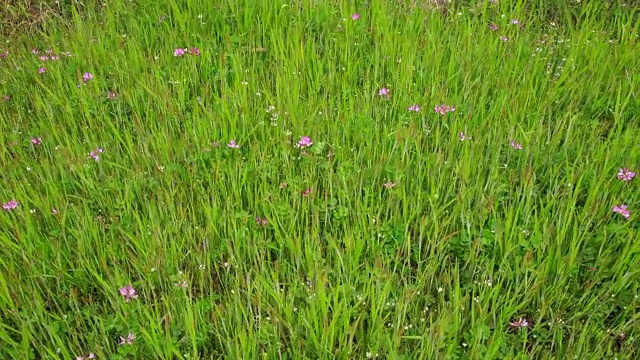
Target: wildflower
(516, 145)
(520, 323)
(194, 51)
(389, 184)
(384, 92)
(53, 57)
(283, 185)
(54, 211)
(95, 154)
(622, 210)
(36, 141)
(504, 38)
(415, 108)
(6, 97)
(35, 51)
(443, 109)
(232, 144)
(515, 21)
(625, 174)
(49, 51)
(112, 95)
(306, 192)
(128, 292)
(44, 58)
(304, 142)
(91, 356)
(128, 340)
(493, 27)
(355, 16)
(4, 54)
(178, 52)
(87, 76)
(42, 70)
(261, 221)
(464, 137)
(12, 204)
(215, 144)
(183, 284)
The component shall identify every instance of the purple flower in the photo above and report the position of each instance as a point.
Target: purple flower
(91, 356)
(625, 174)
(464, 137)
(232, 144)
(194, 51)
(304, 142)
(36, 141)
(515, 21)
(504, 38)
(35, 51)
(95, 154)
(306, 192)
(87, 76)
(53, 57)
(516, 145)
(42, 70)
(444, 109)
(493, 27)
(355, 16)
(178, 52)
(520, 323)
(261, 221)
(384, 92)
(4, 54)
(128, 292)
(112, 95)
(622, 210)
(11, 205)
(44, 57)
(415, 108)
(49, 51)
(128, 340)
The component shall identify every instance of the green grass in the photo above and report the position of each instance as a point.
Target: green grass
(475, 234)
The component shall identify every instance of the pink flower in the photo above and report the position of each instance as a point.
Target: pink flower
(54, 57)
(42, 70)
(493, 27)
(515, 21)
(44, 57)
(520, 323)
(384, 92)
(11, 205)
(355, 16)
(415, 108)
(35, 51)
(464, 137)
(87, 76)
(54, 211)
(261, 221)
(128, 340)
(304, 142)
(183, 284)
(178, 52)
(444, 109)
(625, 174)
(504, 38)
(95, 154)
(112, 95)
(622, 210)
(194, 51)
(4, 54)
(232, 144)
(36, 141)
(306, 192)
(516, 145)
(128, 292)
(91, 356)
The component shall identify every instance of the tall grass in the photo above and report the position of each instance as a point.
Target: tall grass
(388, 237)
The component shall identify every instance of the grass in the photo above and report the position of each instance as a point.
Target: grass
(473, 236)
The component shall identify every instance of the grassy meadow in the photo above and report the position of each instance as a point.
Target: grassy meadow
(321, 179)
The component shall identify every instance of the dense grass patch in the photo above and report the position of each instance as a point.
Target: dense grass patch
(321, 179)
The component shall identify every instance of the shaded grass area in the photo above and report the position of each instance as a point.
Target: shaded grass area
(392, 235)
